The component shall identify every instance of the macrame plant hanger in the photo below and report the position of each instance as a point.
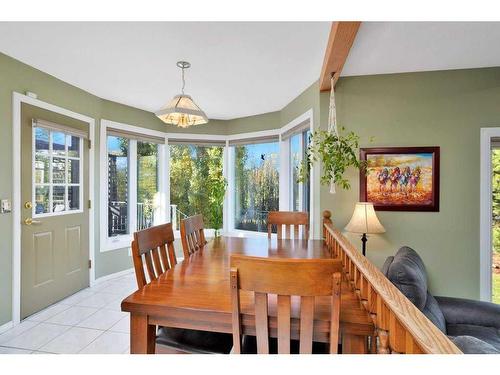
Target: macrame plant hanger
(332, 125)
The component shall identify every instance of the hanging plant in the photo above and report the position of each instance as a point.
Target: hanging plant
(336, 152)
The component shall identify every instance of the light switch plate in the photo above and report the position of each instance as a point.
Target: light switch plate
(5, 206)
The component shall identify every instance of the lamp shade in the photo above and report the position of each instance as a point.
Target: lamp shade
(183, 112)
(364, 220)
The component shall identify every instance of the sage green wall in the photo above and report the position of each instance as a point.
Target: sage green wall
(309, 99)
(19, 77)
(265, 121)
(446, 109)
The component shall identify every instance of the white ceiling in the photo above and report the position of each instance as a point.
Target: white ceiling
(397, 47)
(238, 69)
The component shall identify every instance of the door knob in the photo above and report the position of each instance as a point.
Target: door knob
(30, 221)
(28, 205)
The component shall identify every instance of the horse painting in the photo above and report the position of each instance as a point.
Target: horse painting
(383, 177)
(399, 179)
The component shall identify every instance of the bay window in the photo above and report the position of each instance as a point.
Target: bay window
(151, 177)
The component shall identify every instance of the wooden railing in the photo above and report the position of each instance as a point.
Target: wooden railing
(400, 327)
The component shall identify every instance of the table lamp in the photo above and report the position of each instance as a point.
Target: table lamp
(364, 220)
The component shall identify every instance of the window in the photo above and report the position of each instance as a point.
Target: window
(134, 182)
(57, 172)
(256, 179)
(118, 186)
(147, 184)
(194, 169)
(299, 194)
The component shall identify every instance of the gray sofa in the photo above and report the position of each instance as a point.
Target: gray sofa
(473, 326)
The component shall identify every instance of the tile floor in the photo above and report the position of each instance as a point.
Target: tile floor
(89, 321)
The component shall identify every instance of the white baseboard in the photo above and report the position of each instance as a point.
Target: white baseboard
(6, 326)
(113, 276)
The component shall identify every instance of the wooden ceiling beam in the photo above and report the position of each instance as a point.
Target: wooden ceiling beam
(341, 38)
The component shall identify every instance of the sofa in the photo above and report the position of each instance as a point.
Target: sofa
(473, 326)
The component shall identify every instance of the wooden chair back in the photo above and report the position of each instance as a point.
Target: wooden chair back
(192, 236)
(153, 252)
(288, 219)
(307, 278)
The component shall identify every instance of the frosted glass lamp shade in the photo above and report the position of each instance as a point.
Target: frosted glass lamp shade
(364, 220)
(183, 112)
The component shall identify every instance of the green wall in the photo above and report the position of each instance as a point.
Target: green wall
(19, 77)
(446, 109)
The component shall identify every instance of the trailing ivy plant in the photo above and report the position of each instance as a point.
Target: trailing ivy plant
(336, 152)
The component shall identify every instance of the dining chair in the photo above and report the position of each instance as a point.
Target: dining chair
(153, 254)
(192, 235)
(286, 279)
(288, 219)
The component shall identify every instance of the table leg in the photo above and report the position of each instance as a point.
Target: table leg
(353, 344)
(142, 335)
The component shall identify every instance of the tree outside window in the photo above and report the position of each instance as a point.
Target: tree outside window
(256, 185)
(197, 184)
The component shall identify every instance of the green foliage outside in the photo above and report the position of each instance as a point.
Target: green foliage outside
(147, 181)
(256, 188)
(197, 185)
(496, 288)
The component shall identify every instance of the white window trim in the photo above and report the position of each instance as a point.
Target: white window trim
(314, 188)
(123, 241)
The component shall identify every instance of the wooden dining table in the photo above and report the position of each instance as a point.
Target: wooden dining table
(195, 294)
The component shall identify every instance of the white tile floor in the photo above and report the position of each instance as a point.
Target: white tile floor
(90, 321)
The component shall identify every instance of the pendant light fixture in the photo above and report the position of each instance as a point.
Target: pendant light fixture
(182, 111)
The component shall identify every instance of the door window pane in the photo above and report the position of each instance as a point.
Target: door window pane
(58, 143)
(58, 199)
(42, 199)
(42, 169)
(58, 171)
(256, 185)
(73, 145)
(147, 184)
(195, 173)
(118, 149)
(73, 171)
(73, 197)
(53, 171)
(41, 141)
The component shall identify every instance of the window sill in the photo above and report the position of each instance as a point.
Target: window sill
(116, 243)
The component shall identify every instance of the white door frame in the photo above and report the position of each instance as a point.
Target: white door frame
(485, 243)
(17, 100)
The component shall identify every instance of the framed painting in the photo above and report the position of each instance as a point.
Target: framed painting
(401, 178)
